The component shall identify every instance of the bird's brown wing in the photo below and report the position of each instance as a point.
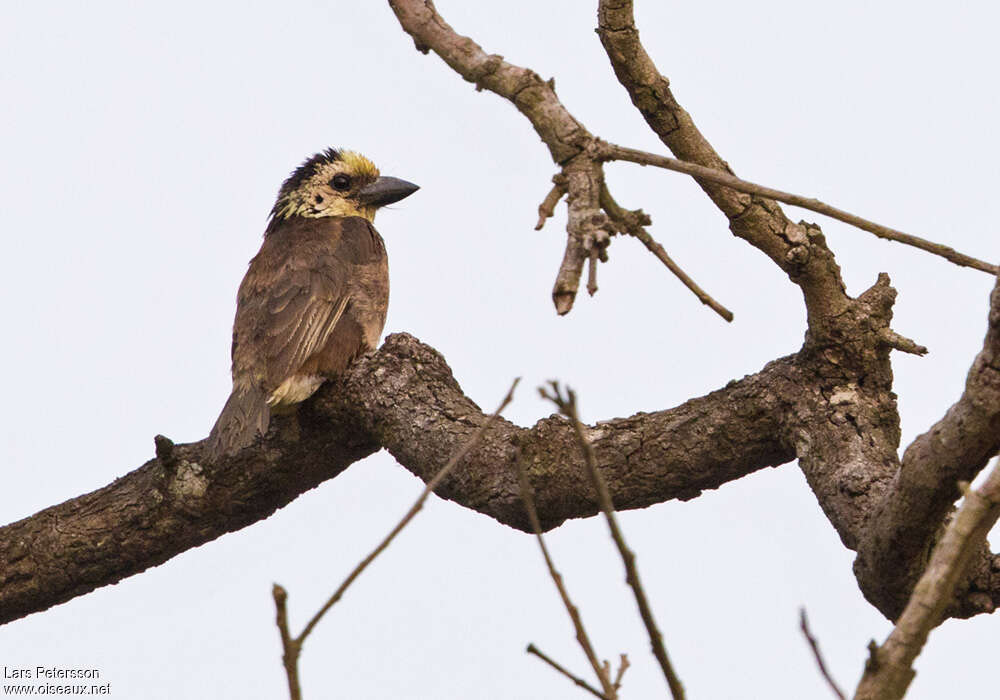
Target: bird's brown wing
(294, 296)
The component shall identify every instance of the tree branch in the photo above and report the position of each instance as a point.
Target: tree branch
(292, 647)
(403, 398)
(889, 671)
(799, 250)
(614, 152)
(907, 520)
(569, 143)
(567, 405)
(536, 99)
(547, 208)
(831, 405)
(417, 506)
(582, 638)
(633, 223)
(847, 430)
(532, 649)
(817, 655)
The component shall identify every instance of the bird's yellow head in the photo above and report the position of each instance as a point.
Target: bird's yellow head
(337, 183)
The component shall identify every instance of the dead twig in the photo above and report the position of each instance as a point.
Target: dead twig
(889, 670)
(292, 646)
(532, 649)
(527, 496)
(289, 647)
(584, 220)
(814, 645)
(592, 273)
(610, 151)
(548, 206)
(567, 405)
(622, 667)
(567, 139)
(633, 223)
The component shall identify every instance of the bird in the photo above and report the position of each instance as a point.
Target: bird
(314, 297)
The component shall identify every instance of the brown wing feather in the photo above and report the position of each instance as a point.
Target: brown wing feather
(314, 297)
(294, 297)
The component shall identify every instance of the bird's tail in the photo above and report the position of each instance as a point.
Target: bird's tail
(244, 417)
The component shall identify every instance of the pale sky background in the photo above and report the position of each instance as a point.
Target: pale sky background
(142, 146)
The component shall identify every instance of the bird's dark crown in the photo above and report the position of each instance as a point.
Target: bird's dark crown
(310, 166)
(310, 191)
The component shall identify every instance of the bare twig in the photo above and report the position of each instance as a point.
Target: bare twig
(165, 452)
(613, 152)
(904, 527)
(567, 405)
(292, 647)
(632, 223)
(902, 343)
(536, 99)
(548, 206)
(527, 495)
(814, 645)
(289, 647)
(567, 139)
(532, 649)
(592, 273)
(622, 667)
(414, 509)
(583, 225)
(889, 671)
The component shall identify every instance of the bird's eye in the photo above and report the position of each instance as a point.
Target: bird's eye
(341, 182)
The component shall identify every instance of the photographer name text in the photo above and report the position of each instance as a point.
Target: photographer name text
(50, 672)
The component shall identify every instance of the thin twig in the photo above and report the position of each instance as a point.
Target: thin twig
(631, 226)
(592, 273)
(290, 649)
(889, 671)
(622, 667)
(532, 649)
(901, 343)
(814, 645)
(613, 152)
(567, 405)
(414, 509)
(527, 496)
(548, 206)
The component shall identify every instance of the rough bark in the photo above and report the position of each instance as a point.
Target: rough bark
(846, 442)
(564, 136)
(403, 398)
(798, 249)
(831, 405)
(909, 516)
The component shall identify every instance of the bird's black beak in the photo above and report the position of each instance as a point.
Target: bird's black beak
(386, 190)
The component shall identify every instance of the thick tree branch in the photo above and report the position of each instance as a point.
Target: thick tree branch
(292, 646)
(846, 350)
(847, 431)
(831, 405)
(403, 398)
(908, 519)
(845, 425)
(889, 671)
